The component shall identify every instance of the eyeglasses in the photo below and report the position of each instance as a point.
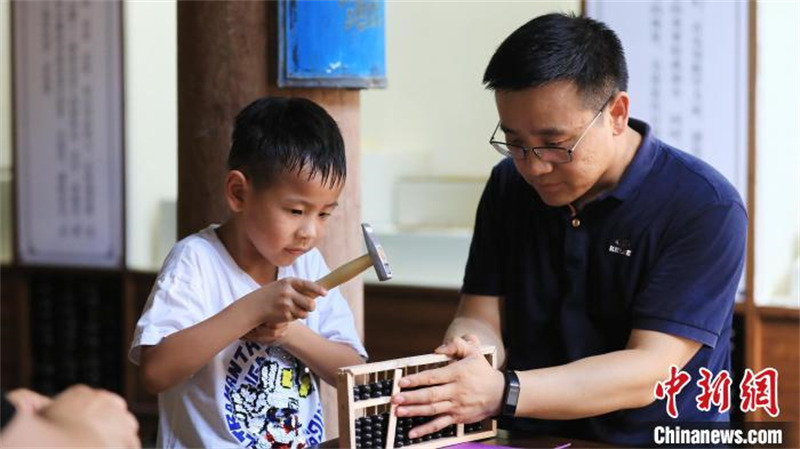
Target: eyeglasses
(552, 154)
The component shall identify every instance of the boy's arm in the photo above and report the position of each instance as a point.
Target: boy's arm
(180, 355)
(324, 357)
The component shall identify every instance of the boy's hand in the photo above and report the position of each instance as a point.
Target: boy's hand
(268, 334)
(289, 299)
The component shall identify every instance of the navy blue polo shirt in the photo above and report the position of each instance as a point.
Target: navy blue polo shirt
(662, 251)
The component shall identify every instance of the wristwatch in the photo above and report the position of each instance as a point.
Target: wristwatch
(510, 394)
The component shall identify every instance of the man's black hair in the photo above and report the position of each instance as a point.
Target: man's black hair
(556, 47)
(276, 134)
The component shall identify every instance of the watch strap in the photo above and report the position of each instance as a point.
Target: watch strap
(510, 394)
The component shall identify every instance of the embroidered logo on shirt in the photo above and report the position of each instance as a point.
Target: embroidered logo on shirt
(620, 246)
(265, 395)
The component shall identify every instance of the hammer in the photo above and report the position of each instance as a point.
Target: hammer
(375, 257)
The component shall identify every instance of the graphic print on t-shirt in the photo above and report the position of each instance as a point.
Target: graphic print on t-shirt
(264, 392)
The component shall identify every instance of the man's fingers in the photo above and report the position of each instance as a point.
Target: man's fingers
(135, 442)
(27, 401)
(424, 396)
(426, 378)
(112, 399)
(132, 430)
(472, 339)
(437, 408)
(447, 349)
(432, 426)
(460, 347)
(465, 348)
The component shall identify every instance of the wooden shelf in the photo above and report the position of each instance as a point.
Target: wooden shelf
(777, 312)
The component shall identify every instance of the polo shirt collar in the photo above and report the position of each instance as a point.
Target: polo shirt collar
(640, 165)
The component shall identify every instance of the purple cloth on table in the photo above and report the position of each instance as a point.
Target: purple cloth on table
(475, 446)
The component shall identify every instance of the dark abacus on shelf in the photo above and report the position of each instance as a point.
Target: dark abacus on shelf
(75, 331)
(367, 417)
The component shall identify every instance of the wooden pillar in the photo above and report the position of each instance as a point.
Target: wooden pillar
(227, 55)
(753, 332)
(221, 68)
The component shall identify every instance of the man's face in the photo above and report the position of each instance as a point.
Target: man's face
(554, 115)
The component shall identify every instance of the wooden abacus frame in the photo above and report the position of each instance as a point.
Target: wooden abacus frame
(350, 408)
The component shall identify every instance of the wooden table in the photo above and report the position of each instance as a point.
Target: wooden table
(505, 438)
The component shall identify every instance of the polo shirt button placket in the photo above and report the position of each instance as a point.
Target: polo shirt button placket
(576, 222)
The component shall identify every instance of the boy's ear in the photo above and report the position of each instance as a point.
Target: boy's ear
(236, 187)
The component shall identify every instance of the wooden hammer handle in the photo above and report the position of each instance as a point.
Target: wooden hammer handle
(345, 272)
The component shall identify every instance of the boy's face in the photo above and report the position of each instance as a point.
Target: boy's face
(287, 219)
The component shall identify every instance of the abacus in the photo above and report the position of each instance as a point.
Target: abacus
(367, 417)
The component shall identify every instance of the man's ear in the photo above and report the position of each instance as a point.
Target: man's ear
(236, 190)
(618, 109)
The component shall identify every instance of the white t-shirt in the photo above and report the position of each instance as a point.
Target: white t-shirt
(248, 395)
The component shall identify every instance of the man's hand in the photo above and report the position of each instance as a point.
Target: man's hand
(96, 418)
(465, 391)
(27, 401)
(460, 347)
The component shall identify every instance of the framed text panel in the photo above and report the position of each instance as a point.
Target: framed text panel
(688, 66)
(68, 129)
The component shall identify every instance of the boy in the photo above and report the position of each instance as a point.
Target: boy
(232, 338)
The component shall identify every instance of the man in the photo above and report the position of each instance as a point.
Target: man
(601, 256)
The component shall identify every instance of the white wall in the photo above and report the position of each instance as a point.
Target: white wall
(435, 104)
(435, 117)
(777, 220)
(151, 141)
(5, 85)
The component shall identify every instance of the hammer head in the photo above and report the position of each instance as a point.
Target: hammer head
(376, 254)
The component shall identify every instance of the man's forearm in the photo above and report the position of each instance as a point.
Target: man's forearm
(322, 356)
(465, 325)
(591, 386)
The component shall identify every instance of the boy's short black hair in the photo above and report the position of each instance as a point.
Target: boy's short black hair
(276, 134)
(556, 47)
